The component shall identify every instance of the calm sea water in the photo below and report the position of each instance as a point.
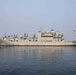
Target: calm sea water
(38, 61)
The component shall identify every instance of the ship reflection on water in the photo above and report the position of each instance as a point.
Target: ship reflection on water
(38, 61)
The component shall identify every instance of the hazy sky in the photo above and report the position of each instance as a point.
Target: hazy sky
(20, 16)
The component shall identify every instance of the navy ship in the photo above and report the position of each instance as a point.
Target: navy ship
(50, 38)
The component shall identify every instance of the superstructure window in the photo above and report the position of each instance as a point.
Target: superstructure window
(11, 40)
(29, 40)
(16, 40)
(36, 40)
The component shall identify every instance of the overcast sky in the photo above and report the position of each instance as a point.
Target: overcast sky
(27, 16)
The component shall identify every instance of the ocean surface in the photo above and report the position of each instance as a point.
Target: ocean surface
(38, 61)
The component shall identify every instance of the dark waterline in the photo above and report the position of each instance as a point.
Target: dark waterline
(38, 61)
